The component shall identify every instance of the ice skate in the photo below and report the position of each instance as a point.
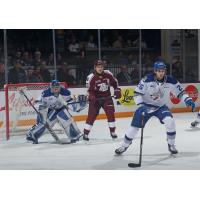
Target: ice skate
(121, 150)
(113, 135)
(85, 137)
(194, 124)
(172, 149)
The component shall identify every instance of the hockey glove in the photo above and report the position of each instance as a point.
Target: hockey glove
(190, 103)
(117, 93)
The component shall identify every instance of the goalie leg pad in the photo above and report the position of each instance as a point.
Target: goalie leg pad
(68, 124)
(35, 132)
(52, 118)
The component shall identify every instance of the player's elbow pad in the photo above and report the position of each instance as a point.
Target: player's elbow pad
(138, 99)
(184, 97)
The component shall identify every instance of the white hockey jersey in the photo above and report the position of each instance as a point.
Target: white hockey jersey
(48, 100)
(153, 92)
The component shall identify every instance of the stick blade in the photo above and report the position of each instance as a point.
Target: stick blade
(134, 165)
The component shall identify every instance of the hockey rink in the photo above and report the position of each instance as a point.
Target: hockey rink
(98, 153)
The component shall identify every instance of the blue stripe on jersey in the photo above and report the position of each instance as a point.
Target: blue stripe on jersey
(63, 91)
(47, 93)
(149, 78)
(171, 79)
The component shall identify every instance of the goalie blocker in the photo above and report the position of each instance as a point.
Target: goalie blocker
(53, 106)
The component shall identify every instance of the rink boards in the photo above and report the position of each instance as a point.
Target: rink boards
(20, 110)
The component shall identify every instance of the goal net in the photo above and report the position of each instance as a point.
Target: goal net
(17, 116)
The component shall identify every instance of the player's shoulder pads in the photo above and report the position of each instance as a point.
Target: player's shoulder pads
(65, 92)
(148, 78)
(171, 79)
(47, 93)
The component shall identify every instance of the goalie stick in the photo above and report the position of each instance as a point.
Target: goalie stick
(134, 165)
(46, 124)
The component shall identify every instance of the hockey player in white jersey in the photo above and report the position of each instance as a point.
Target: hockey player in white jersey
(52, 109)
(152, 95)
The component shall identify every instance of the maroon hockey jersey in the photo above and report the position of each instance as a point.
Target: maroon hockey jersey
(99, 85)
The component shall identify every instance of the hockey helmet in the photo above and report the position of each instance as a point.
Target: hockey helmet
(159, 65)
(55, 87)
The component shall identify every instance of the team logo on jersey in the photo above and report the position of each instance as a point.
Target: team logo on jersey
(174, 98)
(127, 97)
(103, 87)
(192, 91)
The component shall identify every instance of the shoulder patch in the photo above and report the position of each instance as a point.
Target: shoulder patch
(171, 79)
(65, 92)
(46, 93)
(148, 78)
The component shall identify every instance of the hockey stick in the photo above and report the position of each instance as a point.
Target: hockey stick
(46, 124)
(100, 98)
(134, 165)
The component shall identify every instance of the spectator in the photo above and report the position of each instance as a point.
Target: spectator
(70, 80)
(119, 43)
(17, 74)
(135, 76)
(105, 63)
(91, 43)
(136, 43)
(62, 72)
(147, 67)
(50, 61)
(82, 51)
(177, 68)
(18, 58)
(44, 72)
(105, 43)
(26, 59)
(73, 46)
(64, 75)
(122, 59)
(124, 76)
(59, 59)
(132, 59)
(2, 76)
(37, 59)
(34, 76)
(83, 68)
(129, 43)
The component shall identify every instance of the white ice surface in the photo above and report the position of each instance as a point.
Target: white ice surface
(98, 153)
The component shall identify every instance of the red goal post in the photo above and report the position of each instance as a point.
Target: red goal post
(19, 115)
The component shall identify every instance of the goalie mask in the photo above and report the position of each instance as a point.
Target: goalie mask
(55, 87)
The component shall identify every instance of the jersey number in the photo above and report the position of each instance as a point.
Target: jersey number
(179, 88)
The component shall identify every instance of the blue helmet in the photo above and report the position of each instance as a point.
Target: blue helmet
(159, 65)
(55, 84)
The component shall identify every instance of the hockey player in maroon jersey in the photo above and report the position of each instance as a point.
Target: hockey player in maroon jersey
(99, 83)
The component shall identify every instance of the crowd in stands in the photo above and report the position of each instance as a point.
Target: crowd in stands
(30, 62)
